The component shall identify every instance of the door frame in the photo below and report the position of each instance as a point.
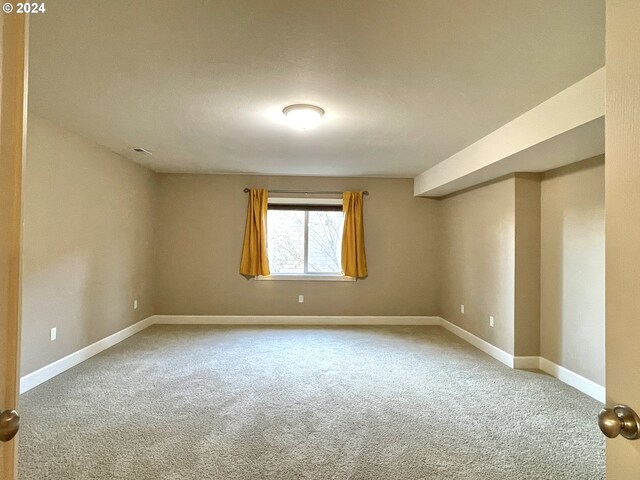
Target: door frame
(13, 123)
(622, 216)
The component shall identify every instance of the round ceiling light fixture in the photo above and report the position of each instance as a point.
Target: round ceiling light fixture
(302, 116)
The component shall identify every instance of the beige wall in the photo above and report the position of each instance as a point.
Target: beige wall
(527, 265)
(529, 250)
(87, 243)
(200, 227)
(573, 268)
(478, 261)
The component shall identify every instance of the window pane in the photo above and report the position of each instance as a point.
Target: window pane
(325, 241)
(285, 241)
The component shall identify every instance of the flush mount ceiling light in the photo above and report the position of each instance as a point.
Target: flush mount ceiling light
(302, 116)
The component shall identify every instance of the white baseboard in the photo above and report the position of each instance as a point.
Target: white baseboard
(477, 342)
(526, 363)
(34, 379)
(56, 368)
(577, 381)
(292, 320)
(532, 362)
(567, 376)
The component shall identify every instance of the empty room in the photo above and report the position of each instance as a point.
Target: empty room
(303, 239)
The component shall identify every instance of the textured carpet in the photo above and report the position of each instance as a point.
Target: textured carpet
(305, 403)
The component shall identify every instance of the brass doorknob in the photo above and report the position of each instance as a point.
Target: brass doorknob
(9, 425)
(619, 420)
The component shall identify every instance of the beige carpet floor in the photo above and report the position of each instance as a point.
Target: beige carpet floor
(305, 403)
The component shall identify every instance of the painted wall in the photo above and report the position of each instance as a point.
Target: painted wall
(572, 321)
(529, 250)
(527, 265)
(200, 227)
(478, 261)
(88, 235)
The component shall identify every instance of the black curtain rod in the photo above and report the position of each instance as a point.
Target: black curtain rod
(327, 192)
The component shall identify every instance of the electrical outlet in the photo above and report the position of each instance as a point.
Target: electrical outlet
(462, 309)
(135, 304)
(491, 321)
(54, 333)
(300, 298)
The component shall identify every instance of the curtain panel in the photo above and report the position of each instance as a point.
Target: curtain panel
(354, 260)
(254, 260)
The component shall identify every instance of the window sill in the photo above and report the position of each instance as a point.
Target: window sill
(303, 277)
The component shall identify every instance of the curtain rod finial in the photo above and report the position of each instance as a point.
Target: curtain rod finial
(246, 190)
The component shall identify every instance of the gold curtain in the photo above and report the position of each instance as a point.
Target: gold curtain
(354, 261)
(254, 259)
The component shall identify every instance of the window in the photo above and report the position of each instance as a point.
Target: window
(304, 239)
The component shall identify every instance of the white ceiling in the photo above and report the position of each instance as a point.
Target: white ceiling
(405, 84)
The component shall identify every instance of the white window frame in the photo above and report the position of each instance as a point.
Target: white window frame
(322, 277)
